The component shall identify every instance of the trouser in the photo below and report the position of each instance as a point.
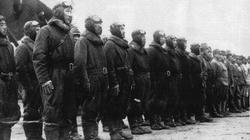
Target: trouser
(59, 105)
(185, 103)
(159, 100)
(5, 131)
(211, 98)
(78, 95)
(221, 93)
(238, 96)
(117, 106)
(93, 105)
(247, 97)
(32, 103)
(173, 98)
(244, 97)
(231, 99)
(199, 100)
(139, 101)
(225, 99)
(9, 109)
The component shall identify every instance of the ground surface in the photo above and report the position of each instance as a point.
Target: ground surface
(234, 127)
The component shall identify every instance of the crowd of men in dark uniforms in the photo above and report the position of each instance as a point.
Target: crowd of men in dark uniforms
(155, 88)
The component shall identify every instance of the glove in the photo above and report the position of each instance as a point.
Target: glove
(116, 90)
(87, 86)
(133, 85)
(47, 87)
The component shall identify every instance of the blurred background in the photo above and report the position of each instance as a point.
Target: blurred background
(223, 24)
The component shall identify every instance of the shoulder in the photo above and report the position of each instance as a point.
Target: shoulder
(82, 39)
(21, 50)
(45, 29)
(82, 42)
(21, 47)
(150, 49)
(200, 58)
(109, 45)
(131, 49)
(43, 32)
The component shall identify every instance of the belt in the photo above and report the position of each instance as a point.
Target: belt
(122, 68)
(7, 76)
(67, 66)
(170, 74)
(98, 71)
(146, 74)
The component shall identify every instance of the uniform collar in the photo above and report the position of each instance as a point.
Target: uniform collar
(157, 46)
(60, 24)
(120, 42)
(96, 40)
(137, 48)
(4, 41)
(28, 41)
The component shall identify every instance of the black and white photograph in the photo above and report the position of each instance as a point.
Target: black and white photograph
(124, 69)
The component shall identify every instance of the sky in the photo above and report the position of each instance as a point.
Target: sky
(222, 24)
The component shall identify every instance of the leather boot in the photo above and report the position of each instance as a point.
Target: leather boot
(5, 133)
(114, 128)
(136, 130)
(105, 127)
(65, 133)
(33, 131)
(161, 123)
(203, 118)
(134, 126)
(90, 130)
(52, 133)
(124, 126)
(125, 133)
(170, 122)
(154, 124)
(216, 115)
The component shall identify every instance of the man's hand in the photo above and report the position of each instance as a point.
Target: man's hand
(116, 90)
(133, 85)
(47, 87)
(88, 87)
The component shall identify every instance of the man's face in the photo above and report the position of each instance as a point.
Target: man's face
(162, 39)
(184, 45)
(232, 60)
(210, 54)
(36, 27)
(98, 28)
(3, 28)
(216, 56)
(143, 40)
(68, 15)
(76, 37)
(245, 61)
(174, 42)
(206, 53)
(122, 30)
